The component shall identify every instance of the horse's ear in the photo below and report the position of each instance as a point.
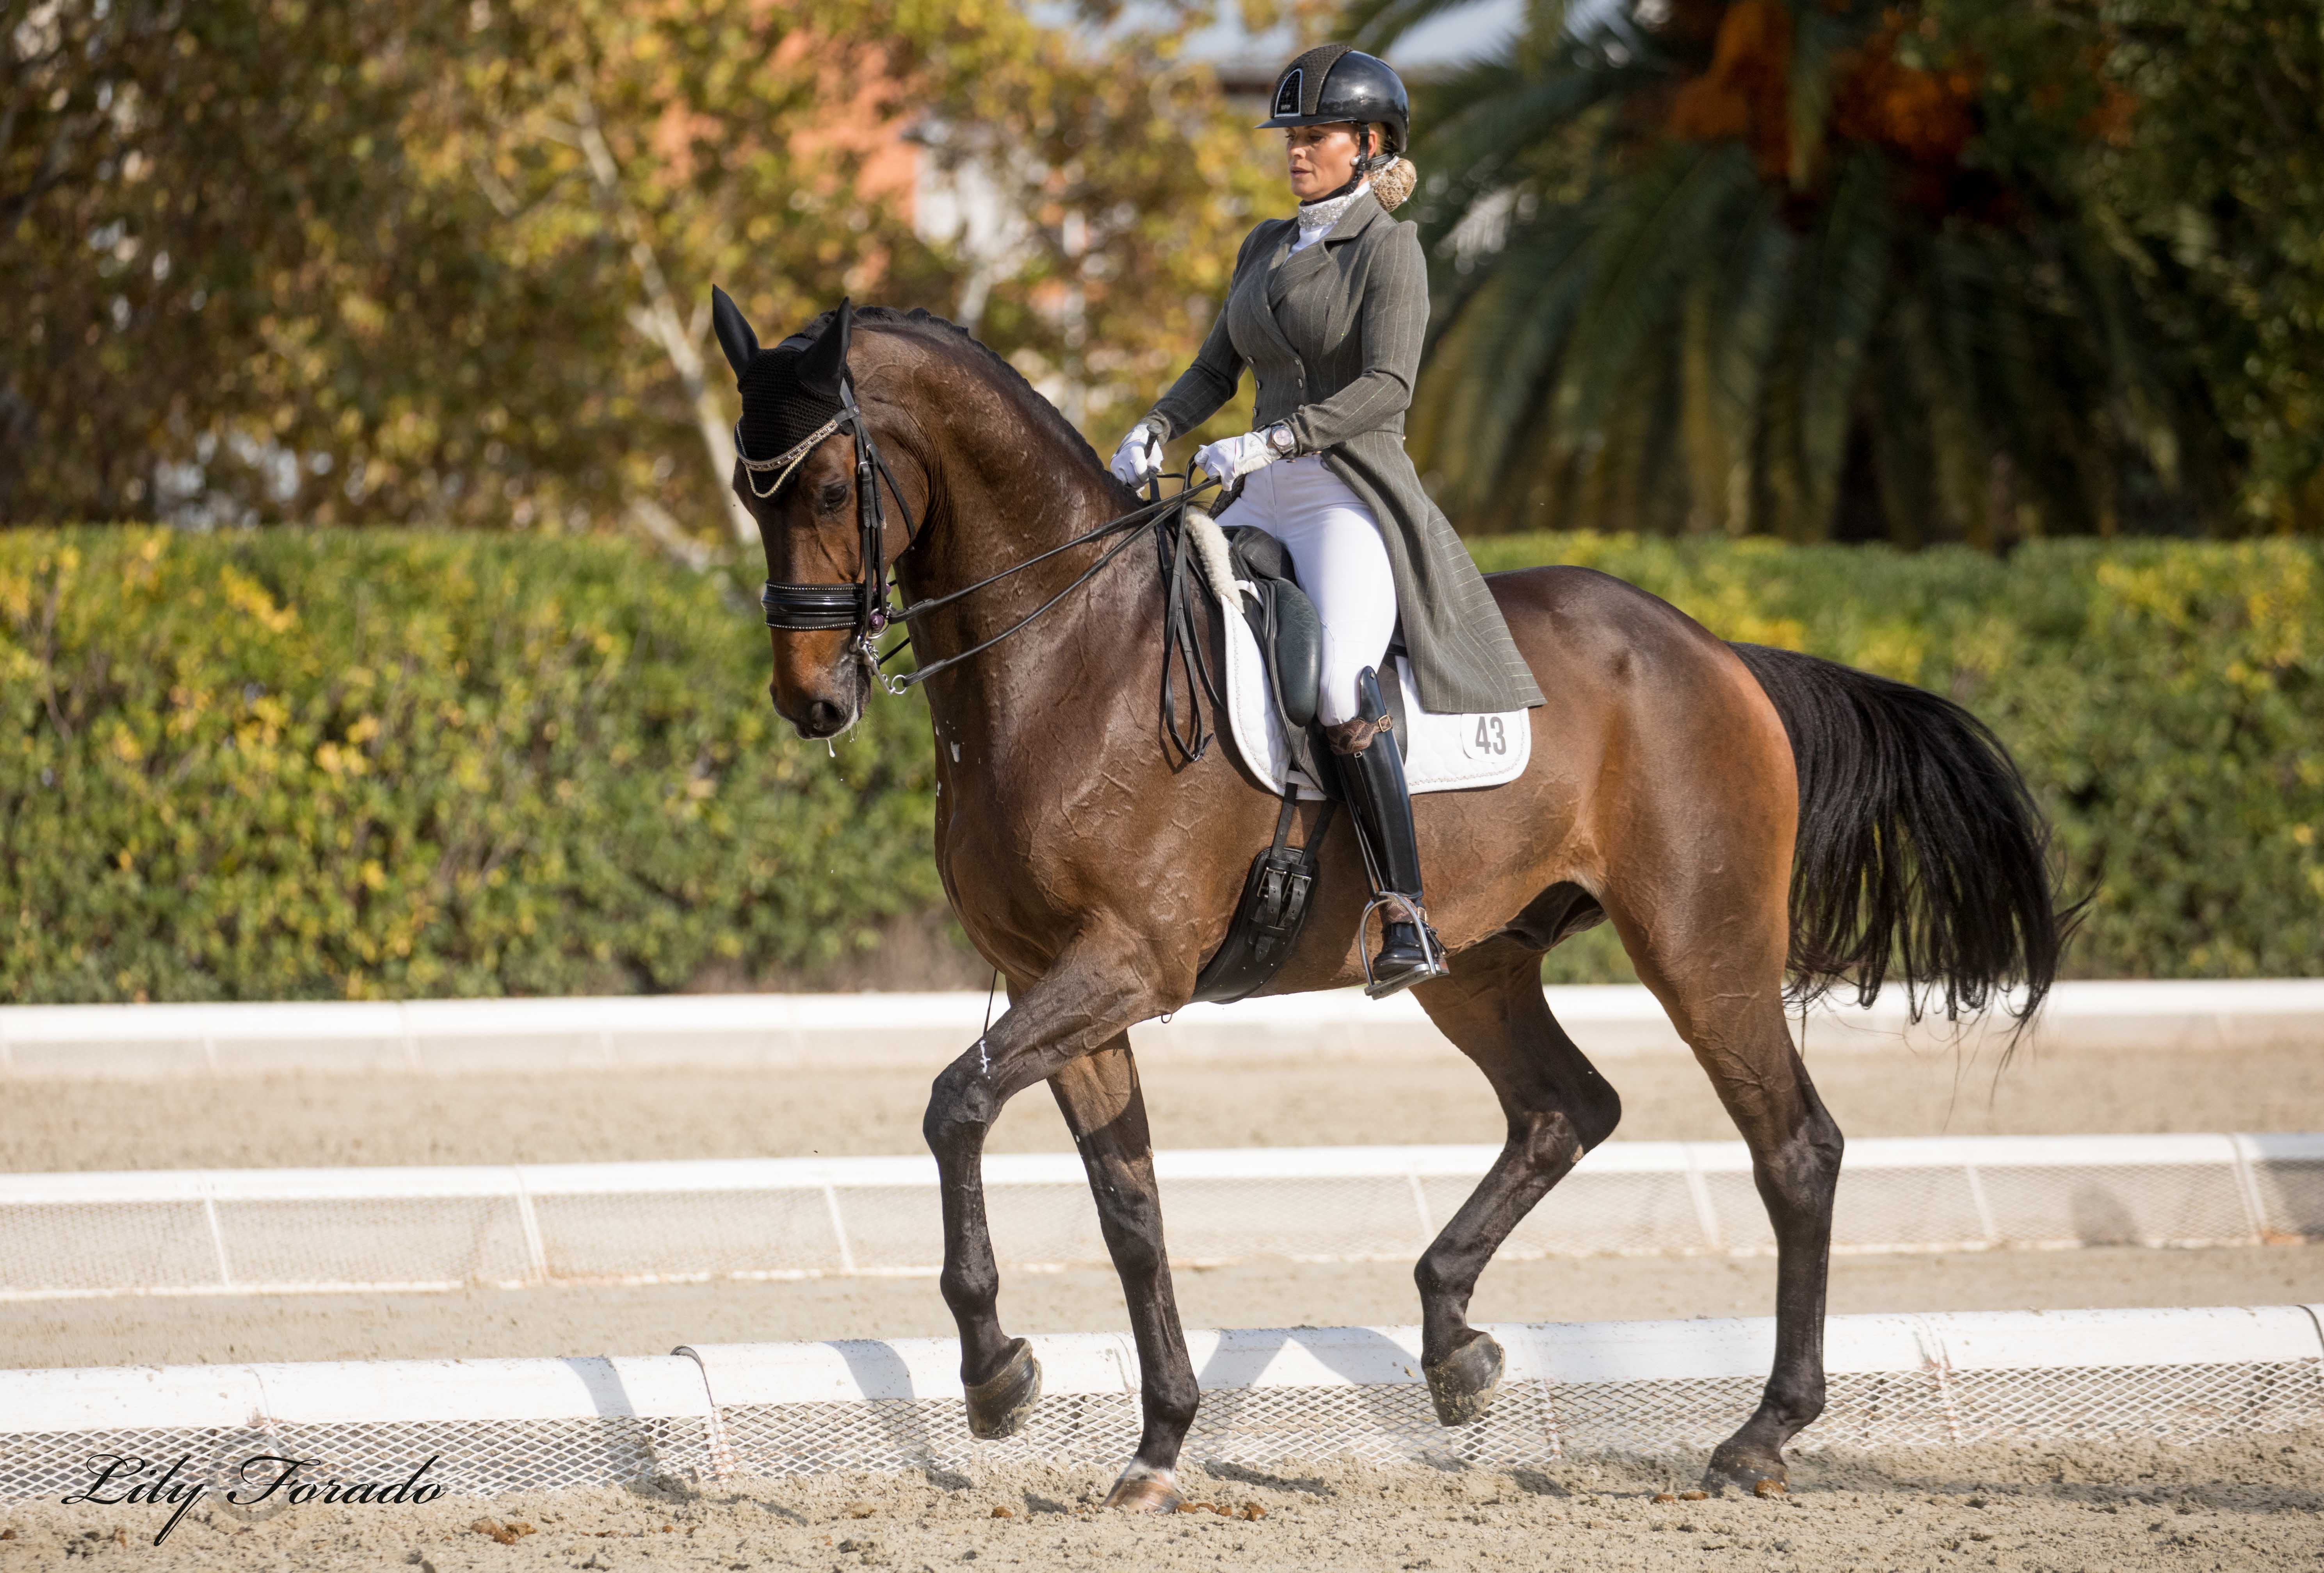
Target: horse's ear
(734, 335)
(826, 359)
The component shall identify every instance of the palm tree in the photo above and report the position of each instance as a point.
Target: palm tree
(1812, 267)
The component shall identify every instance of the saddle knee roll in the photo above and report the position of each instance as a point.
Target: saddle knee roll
(1290, 631)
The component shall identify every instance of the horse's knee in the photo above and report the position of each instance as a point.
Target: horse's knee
(960, 1108)
(1595, 1113)
(1552, 1141)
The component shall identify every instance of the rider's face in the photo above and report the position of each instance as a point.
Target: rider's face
(1320, 159)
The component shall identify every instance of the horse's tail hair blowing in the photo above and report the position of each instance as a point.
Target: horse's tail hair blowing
(1920, 847)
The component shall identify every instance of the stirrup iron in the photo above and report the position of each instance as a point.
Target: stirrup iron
(1407, 911)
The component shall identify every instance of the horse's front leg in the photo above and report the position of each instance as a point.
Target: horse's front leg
(1106, 1110)
(1091, 996)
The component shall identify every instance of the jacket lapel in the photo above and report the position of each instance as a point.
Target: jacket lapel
(1253, 294)
(1297, 269)
(1307, 264)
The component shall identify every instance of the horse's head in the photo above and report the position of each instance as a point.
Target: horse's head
(796, 472)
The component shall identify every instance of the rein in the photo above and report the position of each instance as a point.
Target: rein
(1151, 513)
(862, 604)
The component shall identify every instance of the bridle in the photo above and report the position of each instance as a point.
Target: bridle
(863, 606)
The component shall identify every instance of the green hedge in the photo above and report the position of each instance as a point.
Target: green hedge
(288, 764)
(362, 763)
(2163, 697)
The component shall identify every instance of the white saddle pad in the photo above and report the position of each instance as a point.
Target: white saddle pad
(1442, 754)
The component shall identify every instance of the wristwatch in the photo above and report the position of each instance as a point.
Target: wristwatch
(1280, 441)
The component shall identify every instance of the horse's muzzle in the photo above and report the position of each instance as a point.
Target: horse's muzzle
(824, 719)
(823, 707)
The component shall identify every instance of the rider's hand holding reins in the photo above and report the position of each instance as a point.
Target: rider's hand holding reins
(1230, 459)
(1138, 459)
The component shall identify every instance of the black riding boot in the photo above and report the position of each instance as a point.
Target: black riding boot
(1371, 777)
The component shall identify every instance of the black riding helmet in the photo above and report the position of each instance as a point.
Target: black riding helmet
(1332, 83)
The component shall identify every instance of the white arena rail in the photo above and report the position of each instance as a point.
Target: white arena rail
(719, 1412)
(924, 1031)
(281, 1231)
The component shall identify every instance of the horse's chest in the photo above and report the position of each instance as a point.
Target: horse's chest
(1036, 829)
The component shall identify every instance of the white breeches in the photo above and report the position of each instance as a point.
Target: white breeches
(1341, 561)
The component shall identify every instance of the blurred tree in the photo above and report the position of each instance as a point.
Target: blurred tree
(448, 260)
(1118, 186)
(1813, 267)
(2221, 181)
(174, 183)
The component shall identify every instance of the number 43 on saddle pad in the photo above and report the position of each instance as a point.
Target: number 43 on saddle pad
(1442, 753)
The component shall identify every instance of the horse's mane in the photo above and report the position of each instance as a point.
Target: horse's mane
(950, 337)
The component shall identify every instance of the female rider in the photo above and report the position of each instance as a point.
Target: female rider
(1329, 310)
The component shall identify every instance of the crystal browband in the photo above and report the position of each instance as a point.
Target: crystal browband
(788, 461)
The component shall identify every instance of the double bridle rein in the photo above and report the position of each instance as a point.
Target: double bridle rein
(863, 604)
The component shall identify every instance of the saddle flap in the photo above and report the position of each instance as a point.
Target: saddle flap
(1290, 634)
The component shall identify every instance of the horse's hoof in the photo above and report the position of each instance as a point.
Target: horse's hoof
(1757, 1473)
(1143, 1488)
(1000, 1405)
(1462, 1383)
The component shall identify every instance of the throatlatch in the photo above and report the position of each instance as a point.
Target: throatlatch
(1371, 776)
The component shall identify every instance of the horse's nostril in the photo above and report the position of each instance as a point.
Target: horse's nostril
(823, 718)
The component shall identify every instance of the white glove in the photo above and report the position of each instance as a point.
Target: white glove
(1228, 461)
(1138, 459)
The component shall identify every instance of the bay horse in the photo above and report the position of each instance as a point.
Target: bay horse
(1738, 814)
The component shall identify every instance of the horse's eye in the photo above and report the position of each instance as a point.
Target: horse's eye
(831, 496)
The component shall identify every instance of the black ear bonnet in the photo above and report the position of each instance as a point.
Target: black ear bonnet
(790, 391)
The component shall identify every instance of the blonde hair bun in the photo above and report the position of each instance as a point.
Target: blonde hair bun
(1393, 184)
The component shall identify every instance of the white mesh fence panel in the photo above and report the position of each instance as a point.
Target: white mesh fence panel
(1271, 1397)
(254, 1230)
(475, 1426)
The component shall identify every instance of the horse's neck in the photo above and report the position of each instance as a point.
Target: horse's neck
(993, 523)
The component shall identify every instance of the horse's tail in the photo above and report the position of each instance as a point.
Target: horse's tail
(1920, 847)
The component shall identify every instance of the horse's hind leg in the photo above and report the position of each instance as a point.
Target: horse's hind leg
(1727, 1002)
(1558, 1108)
(1106, 1110)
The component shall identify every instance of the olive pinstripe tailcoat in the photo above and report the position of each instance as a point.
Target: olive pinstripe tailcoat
(1334, 336)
